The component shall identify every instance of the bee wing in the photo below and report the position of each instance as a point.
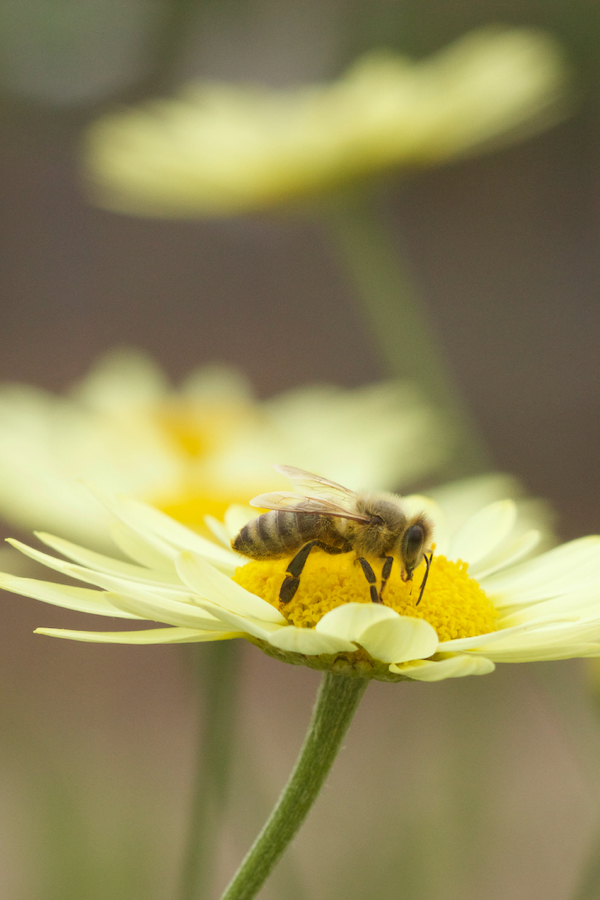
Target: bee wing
(289, 502)
(316, 484)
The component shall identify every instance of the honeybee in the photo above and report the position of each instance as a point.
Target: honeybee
(336, 520)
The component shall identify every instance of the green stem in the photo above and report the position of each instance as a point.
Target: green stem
(336, 704)
(216, 668)
(589, 886)
(399, 323)
(177, 17)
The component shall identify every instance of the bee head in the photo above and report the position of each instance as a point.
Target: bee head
(413, 545)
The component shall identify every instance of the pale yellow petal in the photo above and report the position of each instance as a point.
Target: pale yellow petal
(149, 636)
(259, 628)
(103, 563)
(381, 631)
(308, 641)
(64, 595)
(506, 556)
(170, 612)
(135, 547)
(208, 582)
(101, 579)
(549, 575)
(350, 620)
(483, 532)
(400, 639)
(454, 667)
(218, 530)
(162, 531)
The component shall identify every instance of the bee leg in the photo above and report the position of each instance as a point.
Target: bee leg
(294, 570)
(425, 576)
(385, 574)
(371, 578)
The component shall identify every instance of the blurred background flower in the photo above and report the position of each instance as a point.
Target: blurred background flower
(197, 449)
(220, 148)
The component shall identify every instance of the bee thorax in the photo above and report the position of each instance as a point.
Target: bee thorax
(380, 536)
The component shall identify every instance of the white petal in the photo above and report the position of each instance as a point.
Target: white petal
(350, 620)
(541, 654)
(149, 636)
(484, 640)
(257, 627)
(483, 531)
(218, 529)
(64, 595)
(308, 641)
(381, 631)
(455, 667)
(133, 545)
(171, 612)
(207, 581)
(550, 641)
(547, 588)
(575, 604)
(108, 582)
(460, 500)
(105, 563)
(137, 524)
(400, 640)
(566, 567)
(168, 530)
(506, 556)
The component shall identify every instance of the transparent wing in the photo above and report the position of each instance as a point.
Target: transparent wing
(289, 502)
(321, 487)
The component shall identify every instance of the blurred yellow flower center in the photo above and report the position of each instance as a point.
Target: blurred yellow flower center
(452, 601)
(200, 429)
(196, 432)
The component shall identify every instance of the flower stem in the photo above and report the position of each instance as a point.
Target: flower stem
(589, 885)
(215, 675)
(336, 704)
(399, 322)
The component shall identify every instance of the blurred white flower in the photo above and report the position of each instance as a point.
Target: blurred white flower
(221, 149)
(195, 450)
(487, 599)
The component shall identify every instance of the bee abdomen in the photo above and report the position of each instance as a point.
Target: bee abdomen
(277, 533)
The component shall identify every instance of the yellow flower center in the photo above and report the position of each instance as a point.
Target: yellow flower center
(452, 601)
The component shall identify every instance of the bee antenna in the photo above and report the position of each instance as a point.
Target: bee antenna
(425, 576)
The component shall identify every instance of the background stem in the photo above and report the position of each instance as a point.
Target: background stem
(336, 704)
(399, 323)
(215, 670)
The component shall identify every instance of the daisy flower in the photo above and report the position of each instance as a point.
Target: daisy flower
(223, 149)
(488, 598)
(196, 449)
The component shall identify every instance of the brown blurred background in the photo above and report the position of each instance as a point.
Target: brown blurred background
(504, 249)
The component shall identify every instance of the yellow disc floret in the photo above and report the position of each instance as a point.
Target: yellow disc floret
(453, 603)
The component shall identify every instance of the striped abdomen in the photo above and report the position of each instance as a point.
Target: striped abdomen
(280, 533)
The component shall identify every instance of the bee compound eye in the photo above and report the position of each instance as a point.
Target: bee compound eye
(412, 544)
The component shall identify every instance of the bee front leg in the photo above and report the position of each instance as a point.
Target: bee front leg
(425, 576)
(371, 578)
(386, 571)
(294, 570)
